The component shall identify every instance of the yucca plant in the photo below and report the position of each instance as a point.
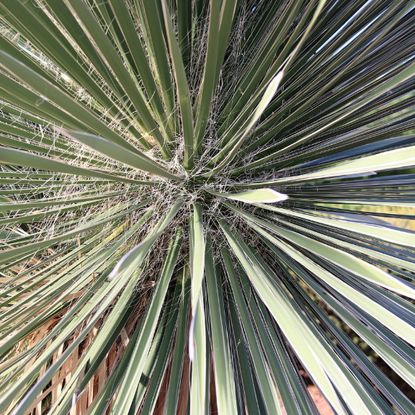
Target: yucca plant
(195, 203)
